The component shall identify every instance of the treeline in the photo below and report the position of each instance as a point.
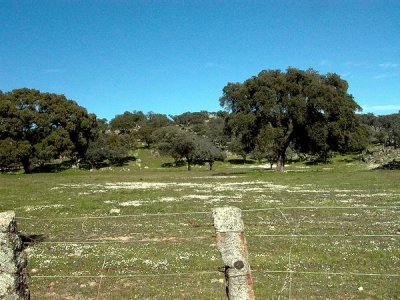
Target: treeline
(267, 117)
(193, 137)
(38, 128)
(384, 130)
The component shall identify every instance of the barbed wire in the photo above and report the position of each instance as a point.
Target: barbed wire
(127, 275)
(331, 273)
(219, 272)
(209, 212)
(322, 207)
(347, 235)
(174, 238)
(116, 216)
(155, 240)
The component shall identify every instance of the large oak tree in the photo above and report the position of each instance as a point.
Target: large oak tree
(312, 112)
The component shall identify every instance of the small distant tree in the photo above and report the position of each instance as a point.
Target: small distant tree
(206, 151)
(182, 144)
(153, 122)
(108, 147)
(189, 119)
(128, 122)
(391, 126)
(177, 143)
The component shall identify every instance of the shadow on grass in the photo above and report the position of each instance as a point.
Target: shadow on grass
(120, 162)
(392, 165)
(179, 163)
(52, 167)
(318, 161)
(237, 161)
(229, 173)
(31, 239)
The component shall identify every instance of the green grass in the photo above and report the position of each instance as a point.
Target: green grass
(184, 244)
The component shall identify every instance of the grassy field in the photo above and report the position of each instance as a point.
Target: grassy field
(336, 227)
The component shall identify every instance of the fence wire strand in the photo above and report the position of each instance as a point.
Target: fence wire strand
(149, 240)
(127, 275)
(348, 235)
(176, 239)
(209, 212)
(218, 272)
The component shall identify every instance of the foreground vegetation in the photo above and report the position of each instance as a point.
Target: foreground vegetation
(166, 255)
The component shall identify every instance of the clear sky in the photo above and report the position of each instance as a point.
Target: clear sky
(176, 56)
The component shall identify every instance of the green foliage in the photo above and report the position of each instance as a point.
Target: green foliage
(391, 126)
(191, 118)
(36, 127)
(206, 151)
(177, 143)
(180, 144)
(110, 147)
(214, 131)
(136, 122)
(153, 122)
(314, 113)
(204, 123)
(128, 121)
(11, 152)
(266, 144)
(383, 129)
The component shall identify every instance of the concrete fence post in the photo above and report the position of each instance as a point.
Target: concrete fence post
(13, 275)
(232, 245)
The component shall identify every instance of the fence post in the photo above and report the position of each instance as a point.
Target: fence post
(231, 243)
(13, 278)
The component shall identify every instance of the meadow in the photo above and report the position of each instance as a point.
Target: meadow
(144, 231)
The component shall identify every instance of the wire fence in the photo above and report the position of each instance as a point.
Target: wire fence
(292, 236)
(209, 213)
(217, 272)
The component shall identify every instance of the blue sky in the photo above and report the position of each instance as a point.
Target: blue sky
(176, 56)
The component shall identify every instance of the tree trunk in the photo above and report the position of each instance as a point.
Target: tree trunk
(189, 162)
(26, 164)
(210, 165)
(280, 164)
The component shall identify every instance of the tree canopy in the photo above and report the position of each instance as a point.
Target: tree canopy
(128, 121)
(312, 112)
(37, 127)
(270, 116)
(180, 143)
(383, 129)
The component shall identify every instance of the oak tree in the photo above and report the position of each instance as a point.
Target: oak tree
(313, 112)
(37, 127)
